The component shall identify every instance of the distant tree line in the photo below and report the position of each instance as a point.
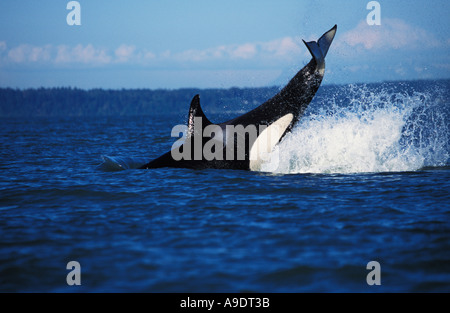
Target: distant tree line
(130, 102)
(125, 102)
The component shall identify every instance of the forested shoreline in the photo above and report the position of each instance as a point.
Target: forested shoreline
(67, 101)
(124, 102)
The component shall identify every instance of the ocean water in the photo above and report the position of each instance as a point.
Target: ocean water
(365, 176)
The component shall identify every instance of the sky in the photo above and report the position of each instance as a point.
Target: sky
(174, 44)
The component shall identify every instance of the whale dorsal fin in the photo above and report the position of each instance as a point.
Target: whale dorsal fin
(195, 112)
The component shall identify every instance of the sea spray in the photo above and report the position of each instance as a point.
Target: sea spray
(362, 128)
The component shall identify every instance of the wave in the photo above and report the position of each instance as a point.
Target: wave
(361, 129)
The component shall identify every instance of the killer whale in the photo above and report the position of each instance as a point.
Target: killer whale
(270, 122)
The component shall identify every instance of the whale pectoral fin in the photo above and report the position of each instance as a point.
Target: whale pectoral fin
(267, 140)
(195, 114)
(319, 48)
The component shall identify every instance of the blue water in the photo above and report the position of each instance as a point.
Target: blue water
(364, 177)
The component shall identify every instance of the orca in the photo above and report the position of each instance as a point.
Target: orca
(242, 143)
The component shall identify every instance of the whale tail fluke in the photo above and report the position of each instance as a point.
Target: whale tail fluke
(319, 48)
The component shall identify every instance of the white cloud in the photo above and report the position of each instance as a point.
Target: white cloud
(391, 34)
(148, 55)
(124, 53)
(38, 54)
(231, 52)
(190, 55)
(46, 54)
(19, 54)
(90, 54)
(81, 54)
(282, 47)
(279, 50)
(28, 53)
(63, 54)
(245, 51)
(166, 54)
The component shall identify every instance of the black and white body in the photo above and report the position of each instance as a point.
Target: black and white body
(241, 142)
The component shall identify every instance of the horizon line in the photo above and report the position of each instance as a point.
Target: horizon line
(227, 88)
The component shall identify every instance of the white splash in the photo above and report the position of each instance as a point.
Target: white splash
(371, 131)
